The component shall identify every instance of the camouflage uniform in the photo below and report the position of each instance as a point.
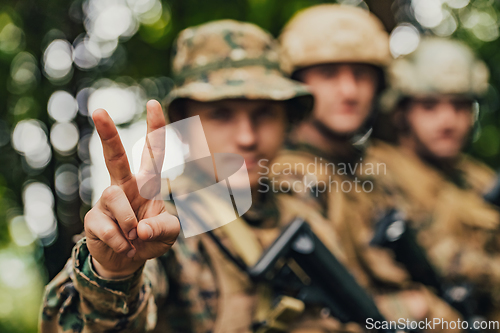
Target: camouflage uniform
(456, 226)
(341, 34)
(195, 287)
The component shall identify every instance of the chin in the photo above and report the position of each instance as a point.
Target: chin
(341, 128)
(346, 131)
(446, 153)
(344, 126)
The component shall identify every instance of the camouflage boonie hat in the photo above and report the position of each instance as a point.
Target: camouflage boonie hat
(437, 66)
(228, 59)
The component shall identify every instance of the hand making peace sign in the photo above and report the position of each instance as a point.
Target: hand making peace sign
(125, 228)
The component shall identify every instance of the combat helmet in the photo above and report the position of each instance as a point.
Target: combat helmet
(333, 33)
(437, 66)
(228, 59)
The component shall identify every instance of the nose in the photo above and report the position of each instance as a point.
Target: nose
(348, 82)
(448, 115)
(246, 136)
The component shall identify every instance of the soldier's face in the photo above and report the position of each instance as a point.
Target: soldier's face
(439, 125)
(343, 94)
(254, 129)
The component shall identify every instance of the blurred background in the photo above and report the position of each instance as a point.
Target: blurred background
(60, 59)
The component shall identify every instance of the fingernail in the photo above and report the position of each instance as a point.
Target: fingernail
(150, 231)
(132, 234)
(131, 253)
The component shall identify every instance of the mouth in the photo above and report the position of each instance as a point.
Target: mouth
(348, 108)
(251, 162)
(448, 142)
(233, 162)
(447, 138)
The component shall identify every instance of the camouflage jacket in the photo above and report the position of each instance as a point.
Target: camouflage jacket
(455, 225)
(193, 288)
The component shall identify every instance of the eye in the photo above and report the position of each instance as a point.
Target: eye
(328, 71)
(462, 105)
(220, 113)
(428, 104)
(268, 112)
(363, 72)
(359, 72)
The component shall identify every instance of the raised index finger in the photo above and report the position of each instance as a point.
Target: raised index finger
(114, 153)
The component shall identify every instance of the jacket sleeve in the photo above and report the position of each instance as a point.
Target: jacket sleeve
(79, 300)
(463, 240)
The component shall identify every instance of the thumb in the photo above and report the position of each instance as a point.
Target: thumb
(164, 228)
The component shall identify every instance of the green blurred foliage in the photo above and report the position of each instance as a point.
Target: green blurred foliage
(478, 27)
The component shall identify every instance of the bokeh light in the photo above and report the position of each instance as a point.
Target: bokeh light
(24, 107)
(64, 138)
(122, 102)
(82, 98)
(84, 177)
(39, 159)
(486, 29)
(457, 4)
(20, 232)
(83, 148)
(146, 11)
(62, 106)
(39, 211)
(66, 182)
(30, 140)
(24, 73)
(404, 40)
(428, 12)
(481, 21)
(113, 21)
(58, 60)
(106, 47)
(87, 53)
(447, 26)
(12, 37)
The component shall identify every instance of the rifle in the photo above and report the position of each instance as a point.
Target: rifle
(393, 232)
(316, 276)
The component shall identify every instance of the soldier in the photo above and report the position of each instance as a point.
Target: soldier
(229, 76)
(432, 97)
(340, 53)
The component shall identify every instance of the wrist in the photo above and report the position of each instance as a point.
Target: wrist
(107, 274)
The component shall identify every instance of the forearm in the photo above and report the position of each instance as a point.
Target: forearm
(79, 298)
